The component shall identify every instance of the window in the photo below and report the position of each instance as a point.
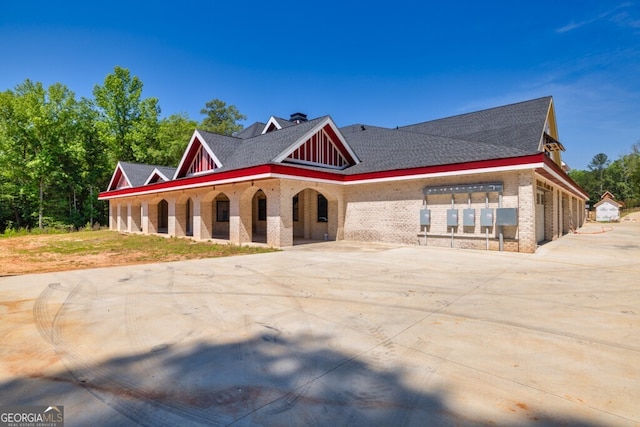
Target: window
(262, 209)
(222, 211)
(323, 209)
(295, 208)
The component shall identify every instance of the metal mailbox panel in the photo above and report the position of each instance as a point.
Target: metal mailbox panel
(486, 217)
(425, 216)
(469, 217)
(452, 217)
(507, 216)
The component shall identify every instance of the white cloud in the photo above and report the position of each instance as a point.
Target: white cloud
(622, 19)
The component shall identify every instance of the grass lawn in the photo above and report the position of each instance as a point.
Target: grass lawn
(40, 253)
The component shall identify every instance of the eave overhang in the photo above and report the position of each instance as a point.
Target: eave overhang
(554, 173)
(538, 162)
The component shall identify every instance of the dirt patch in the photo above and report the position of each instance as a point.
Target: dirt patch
(75, 251)
(13, 264)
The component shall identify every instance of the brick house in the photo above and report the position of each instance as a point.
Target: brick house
(491, 179)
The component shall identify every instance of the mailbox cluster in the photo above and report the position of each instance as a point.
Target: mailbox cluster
(503, 217)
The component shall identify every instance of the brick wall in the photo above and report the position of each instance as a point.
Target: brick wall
(389, 212)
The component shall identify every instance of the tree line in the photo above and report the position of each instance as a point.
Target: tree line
(58, 152)
(620, 177)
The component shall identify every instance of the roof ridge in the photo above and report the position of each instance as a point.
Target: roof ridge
(499, 107)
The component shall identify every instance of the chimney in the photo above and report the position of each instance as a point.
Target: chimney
(298, 117)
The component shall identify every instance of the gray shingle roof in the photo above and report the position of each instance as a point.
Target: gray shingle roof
(137, 173)
(383, 149)
(517, 125)
(508, 131)
(237, 153)
(166, 171)
(251, 131)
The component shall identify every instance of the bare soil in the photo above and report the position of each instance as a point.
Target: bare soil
(46, 253)
(14, 261)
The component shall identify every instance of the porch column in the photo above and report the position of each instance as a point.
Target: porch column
(129, 217)
(113, 220)
(180, 218)
(309, 211)
(135, 218)
(171, 203)
(122, 217)
(341, 216)
(240, 214)
(197, 220)
(279, 217)
(145, 217)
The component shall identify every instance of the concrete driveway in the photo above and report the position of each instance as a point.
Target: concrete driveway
(337, 333)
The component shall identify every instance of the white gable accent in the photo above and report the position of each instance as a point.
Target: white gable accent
(195, 146)
(318, 148)
(157, 173)
(272, 122)
(119, 179)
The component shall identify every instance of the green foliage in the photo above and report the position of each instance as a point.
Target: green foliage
(57, 153)
(127, 123)
(621, 177)
(221, 119)
(172, 138)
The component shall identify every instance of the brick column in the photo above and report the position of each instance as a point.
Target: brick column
(197, 218)
(279, 216)
(526, 212)
(145, 217)
(240, 214)
(172, 217)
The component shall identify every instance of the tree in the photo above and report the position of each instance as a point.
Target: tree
(127, 122)
(40, 150)
(598, 165)
(171, 140)
(221, 119)
(95, 170)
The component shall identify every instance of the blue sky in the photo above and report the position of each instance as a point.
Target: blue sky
(389, 65)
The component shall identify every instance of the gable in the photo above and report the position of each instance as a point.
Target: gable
(607, 194)
(271, 125)
(607, 204)
(156, 176)
(549, 143)
(323, 146)
(197, 159)
(119, 179)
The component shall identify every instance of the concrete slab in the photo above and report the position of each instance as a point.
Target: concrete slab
(337, 333)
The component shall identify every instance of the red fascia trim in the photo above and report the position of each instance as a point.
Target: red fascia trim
(212, 178)
(453, 167)
(194, 180)
(306, 173)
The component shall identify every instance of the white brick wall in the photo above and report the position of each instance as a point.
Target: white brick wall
(378, 212)
(389, 212)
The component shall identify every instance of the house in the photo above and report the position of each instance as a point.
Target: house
(607, 209)
(491, 179)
